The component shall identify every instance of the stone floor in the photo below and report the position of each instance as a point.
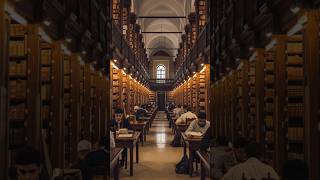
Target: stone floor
(157, 158)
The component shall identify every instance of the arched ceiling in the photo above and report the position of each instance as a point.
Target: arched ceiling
(167, 42)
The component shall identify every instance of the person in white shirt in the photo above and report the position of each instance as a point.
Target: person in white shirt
(252, 168)
(199, 125)
(177, 111)
(188, 115)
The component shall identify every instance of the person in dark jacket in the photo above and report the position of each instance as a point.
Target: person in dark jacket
(97, 160)
(120, 121)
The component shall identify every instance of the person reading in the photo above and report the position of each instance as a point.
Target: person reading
(186, 116)
(199, 125)
(120, 121)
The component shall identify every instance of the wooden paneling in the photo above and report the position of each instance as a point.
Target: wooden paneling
(4, 124)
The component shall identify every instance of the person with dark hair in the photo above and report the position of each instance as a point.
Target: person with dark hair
(295, 169)
(252, 168)
(28, 164)
(120, 121)
(199, 125)
(223, 157)
(189, 115)
(239, 149)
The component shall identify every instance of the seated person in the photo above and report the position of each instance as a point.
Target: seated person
(252, 168)
(139, 112)
(239, 148)
(295, 169)
(177, 111)
(98, 157)
(84, 148)
(188, 115)
(120, 121)
(28, 164)
(199, 125)
(223, 157)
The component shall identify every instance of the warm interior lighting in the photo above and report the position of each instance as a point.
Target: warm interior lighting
(202, 64)
(194, 75)
(115, 60)
(203, 69)
(114, 66)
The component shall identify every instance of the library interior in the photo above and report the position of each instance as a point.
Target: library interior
(159, 89)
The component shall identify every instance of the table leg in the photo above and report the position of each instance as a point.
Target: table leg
(131, 160)
(190, 162)
(203, 172)
(137, 152)
(141, 137)
(145, 134)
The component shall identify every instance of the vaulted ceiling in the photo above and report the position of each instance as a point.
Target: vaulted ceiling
(168, 42)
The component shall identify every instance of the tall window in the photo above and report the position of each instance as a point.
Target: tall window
(161, 73)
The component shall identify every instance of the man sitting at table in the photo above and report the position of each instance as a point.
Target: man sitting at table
(224, 158)
(188, 115)
(252, 168)
(97, 159)
(120, 121)
(199, 125)
(139, 112)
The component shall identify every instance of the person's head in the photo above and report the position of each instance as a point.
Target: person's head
(189, 109)
(253, 150)
(28, 164)
(222, 141)
(103, 142)
(136, 108)
(239, 146)
(295, 169)
(84, 147)
(202, 119)
(119, 114)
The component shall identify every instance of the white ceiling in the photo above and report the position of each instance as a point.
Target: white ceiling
(162, 8)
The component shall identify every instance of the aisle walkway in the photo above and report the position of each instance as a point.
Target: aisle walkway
(157, 157)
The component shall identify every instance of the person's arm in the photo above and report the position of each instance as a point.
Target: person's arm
(180, 120)
(191, 127)
(128, 125)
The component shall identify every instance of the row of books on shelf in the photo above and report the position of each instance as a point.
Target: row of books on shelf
(17, 48)
(17, 30)
(17, 88)
(17, 68)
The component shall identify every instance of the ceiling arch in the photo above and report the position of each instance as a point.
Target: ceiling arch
(162, 41)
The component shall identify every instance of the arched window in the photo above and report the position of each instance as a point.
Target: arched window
(161, 72)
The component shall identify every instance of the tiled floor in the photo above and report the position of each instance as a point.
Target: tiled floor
(157, 157)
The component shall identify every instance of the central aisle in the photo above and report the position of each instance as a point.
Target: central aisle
(157, 157)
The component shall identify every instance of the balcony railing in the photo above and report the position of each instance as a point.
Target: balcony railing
(161, 84)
